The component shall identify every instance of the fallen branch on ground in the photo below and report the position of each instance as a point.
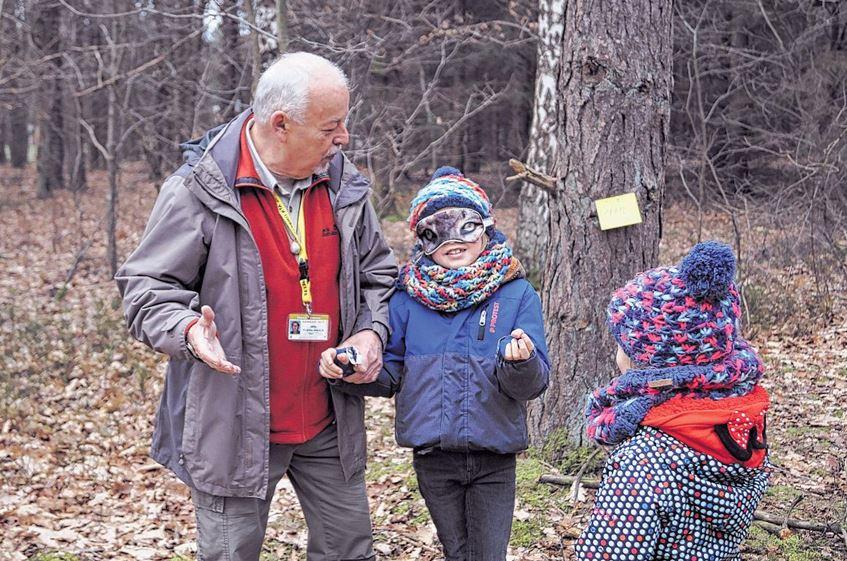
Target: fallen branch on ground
(77, 260)
(577, 480)
(771, 521)
(568, 480)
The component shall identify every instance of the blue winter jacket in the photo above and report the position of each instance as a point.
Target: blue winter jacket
(453, 388)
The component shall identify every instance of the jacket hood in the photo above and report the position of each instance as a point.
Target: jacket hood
(221, 144)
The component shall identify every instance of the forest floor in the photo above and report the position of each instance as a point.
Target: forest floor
(77, 399)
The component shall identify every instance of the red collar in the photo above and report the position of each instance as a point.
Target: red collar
(731, 430)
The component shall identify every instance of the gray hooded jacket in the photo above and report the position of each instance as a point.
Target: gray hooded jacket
(212, 429)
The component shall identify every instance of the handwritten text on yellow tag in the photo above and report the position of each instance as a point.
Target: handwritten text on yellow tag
(617, 212)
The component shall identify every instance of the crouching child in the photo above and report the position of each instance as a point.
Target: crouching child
(686, 417)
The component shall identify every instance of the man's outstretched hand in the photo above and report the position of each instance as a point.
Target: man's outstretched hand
(203, 338)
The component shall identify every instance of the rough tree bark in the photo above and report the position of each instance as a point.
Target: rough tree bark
(533, 216)
(611, 114)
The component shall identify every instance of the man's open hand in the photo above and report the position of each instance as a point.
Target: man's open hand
(203, 338)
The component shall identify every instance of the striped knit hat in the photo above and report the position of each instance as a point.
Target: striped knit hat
(677, 316)
(448, 188)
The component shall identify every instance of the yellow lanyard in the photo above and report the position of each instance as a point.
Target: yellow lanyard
(298, 247)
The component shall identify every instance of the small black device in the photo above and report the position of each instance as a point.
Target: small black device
(353, 357)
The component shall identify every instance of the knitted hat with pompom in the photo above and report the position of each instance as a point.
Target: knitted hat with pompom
(675, 316)
(448, 188)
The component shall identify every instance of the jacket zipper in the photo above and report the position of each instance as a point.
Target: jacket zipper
(480, 334)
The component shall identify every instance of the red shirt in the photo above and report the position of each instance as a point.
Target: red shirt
(299, 397)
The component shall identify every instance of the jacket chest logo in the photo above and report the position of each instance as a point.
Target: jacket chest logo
(495, 311)
(326, 232)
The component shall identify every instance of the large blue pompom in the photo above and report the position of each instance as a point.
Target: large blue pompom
(708, 269)
(445, 170)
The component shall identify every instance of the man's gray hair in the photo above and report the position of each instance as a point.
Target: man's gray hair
(285, 85)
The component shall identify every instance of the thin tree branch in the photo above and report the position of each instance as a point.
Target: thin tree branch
(525, 173)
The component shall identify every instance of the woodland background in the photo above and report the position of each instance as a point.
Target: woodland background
(95, 95)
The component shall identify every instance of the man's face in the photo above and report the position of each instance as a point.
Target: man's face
(310, 146)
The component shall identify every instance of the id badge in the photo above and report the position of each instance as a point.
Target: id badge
(303, 327)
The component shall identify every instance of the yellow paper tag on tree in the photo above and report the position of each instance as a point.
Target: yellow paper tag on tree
(617, 212)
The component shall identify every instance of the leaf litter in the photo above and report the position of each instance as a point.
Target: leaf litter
(78, 396)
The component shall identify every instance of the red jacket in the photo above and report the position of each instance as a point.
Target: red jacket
(299, 396)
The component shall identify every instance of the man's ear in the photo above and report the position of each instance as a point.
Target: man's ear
(280, 124)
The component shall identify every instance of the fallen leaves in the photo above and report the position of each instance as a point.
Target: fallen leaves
(77, 402)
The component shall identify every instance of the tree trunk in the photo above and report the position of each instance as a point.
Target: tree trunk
(533, 215)
(231, 75)
(4, 135)
(255, 50)
(77, 176)
(112, 168)
(113, 147)
(76, 137)
(18, 135)
(738, 104)
(19, 114)
(51, 151)
(281, 26)
(608, 132)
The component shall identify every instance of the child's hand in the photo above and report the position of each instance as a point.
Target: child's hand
(520, 347)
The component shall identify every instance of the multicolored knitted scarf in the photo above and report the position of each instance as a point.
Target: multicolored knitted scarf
(451, 290)
(615, 411)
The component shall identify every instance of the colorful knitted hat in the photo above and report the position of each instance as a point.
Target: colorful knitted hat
(447, 188)
(675, 316)
(680, 327)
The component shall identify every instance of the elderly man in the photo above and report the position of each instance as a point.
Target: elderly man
(260, 253)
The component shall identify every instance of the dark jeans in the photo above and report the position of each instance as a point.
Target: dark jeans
(471, 497)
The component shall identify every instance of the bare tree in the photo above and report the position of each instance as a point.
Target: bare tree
(543, 150)
(435, 83)
(760, 101)
(232, 65)
(282, 36)
(13, 49)
(45, 37)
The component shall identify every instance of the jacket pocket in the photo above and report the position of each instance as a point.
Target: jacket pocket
(189, 427)
(420, 402)
(207, 501)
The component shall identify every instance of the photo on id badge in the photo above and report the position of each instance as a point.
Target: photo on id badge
(304, 327)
